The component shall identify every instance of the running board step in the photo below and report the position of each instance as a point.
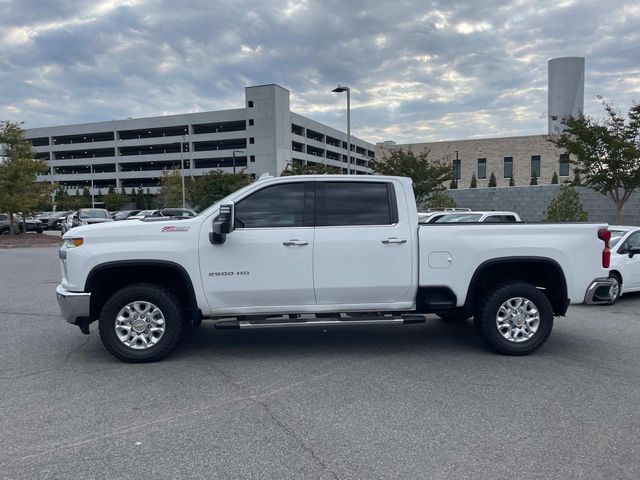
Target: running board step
(318, 322)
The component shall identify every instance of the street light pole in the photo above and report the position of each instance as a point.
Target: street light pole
(93, 198)
(182, 170)
(340, 89)
(234, 159)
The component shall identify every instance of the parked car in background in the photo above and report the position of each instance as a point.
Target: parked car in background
(142, 214)
(32, 224)
(435, 213)
(86, 216)
(5, 225)
(480, 217)
(176, 213)
(44, 218)
(164, 212)
(124, 214)
(625, 264)
(52, 221)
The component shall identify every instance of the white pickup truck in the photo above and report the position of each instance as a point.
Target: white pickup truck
(325, 250)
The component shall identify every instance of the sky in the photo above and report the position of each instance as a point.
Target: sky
(419, 71)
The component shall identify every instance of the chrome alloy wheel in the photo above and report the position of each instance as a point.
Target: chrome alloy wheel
(140, 325)
(518, 319)
(614, 291)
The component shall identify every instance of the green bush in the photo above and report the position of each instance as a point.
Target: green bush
(566, 207)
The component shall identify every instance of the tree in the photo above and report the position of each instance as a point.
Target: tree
(302, 169)
(577, 181)
(215, 185)
(492, 180)
(554, 179)
(139, 199)
(428, 176)
(86, 198)
(512, 181)
(114, 200)
(171, 189)
(148, 200)
(61, 198)
(441, 199)
(566, 207)
(606, 152)
(474, 181)
(19, 190)
(534, 179)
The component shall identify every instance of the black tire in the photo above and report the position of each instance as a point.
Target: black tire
(486, 319)
(157, 295)
(616, 276)
(454, 316)
(39, 230)
(4, 231)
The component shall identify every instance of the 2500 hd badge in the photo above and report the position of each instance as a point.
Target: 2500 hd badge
(229, 274)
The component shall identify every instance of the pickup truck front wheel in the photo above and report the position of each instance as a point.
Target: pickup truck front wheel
(141, 323)
(515, 319)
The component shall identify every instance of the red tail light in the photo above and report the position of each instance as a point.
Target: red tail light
(605, 236)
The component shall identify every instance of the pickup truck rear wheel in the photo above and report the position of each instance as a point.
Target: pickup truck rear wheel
(515, 319)
(141, 323)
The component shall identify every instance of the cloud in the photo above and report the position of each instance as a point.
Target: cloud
(419, 71)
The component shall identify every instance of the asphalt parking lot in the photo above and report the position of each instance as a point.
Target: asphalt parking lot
(420, 401)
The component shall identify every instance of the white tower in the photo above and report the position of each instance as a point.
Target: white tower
(566, 90)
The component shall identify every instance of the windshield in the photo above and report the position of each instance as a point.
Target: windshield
(145, 213)
(93, 213)
(616, 235)
(455, 218)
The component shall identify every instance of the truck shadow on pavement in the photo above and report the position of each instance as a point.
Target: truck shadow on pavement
(433, 336)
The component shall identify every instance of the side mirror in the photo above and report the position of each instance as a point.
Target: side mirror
(223, 224)
(634, 251)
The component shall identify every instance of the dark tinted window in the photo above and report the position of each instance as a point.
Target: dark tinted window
(275, 206)
(355, 203)
(564, 164)
(482, 168)
(508, 167)
(500, 219)
(535, 165)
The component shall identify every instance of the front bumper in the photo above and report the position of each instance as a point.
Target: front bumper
(599, 292)
(74, 306)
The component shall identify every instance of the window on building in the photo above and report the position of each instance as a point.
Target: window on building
(508, 167)
(251, 122)
(250, 103)
(535, 166)
(252, 140)
(353, 203)
(457, 170)
(564, 165)
(482, 168)
(276, 206)
(252, 158)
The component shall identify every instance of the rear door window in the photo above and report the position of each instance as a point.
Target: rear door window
(355, 203)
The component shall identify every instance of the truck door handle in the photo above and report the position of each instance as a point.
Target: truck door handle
(394, 240)
(295, 242)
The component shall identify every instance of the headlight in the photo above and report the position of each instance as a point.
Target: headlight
(72, 242)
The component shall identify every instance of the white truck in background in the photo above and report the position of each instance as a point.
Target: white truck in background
(305, 251)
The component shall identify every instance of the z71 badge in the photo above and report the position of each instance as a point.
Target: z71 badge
(172, 228)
